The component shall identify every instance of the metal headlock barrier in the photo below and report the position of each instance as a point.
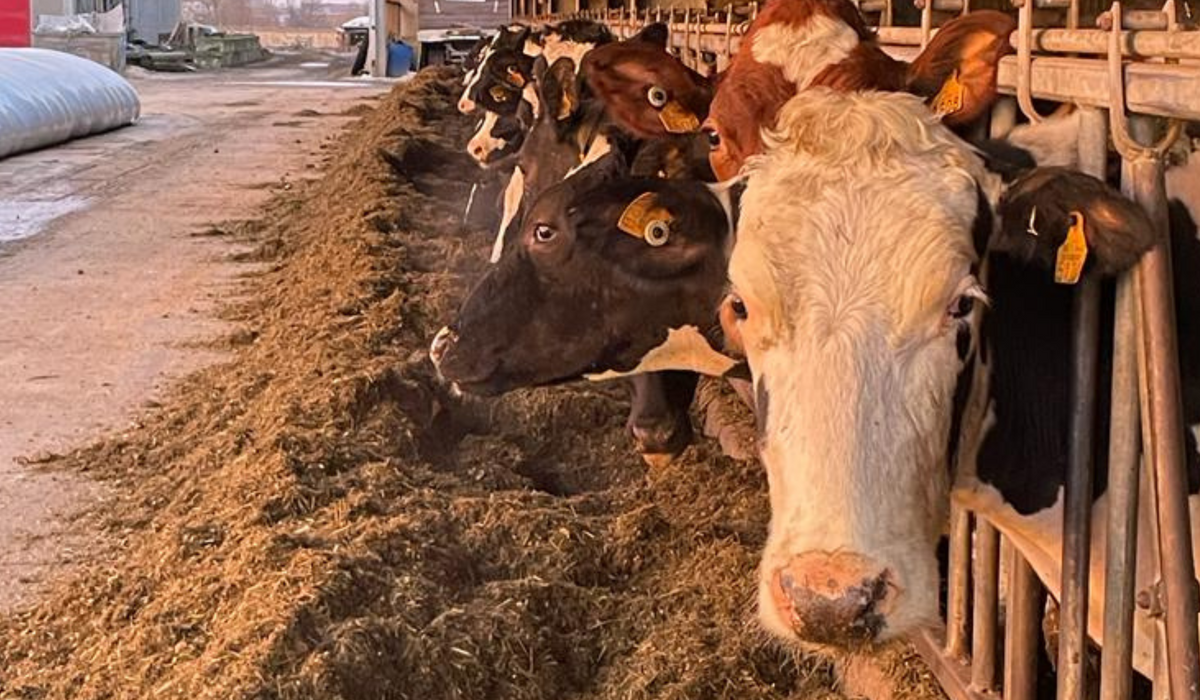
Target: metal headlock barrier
(1107, 61)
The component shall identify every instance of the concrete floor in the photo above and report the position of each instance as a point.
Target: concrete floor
(108, 283)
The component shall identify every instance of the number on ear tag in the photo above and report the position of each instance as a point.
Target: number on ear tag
(950, 98)
(677, 119)
(1072, 254)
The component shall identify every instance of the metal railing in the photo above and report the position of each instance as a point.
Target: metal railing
(1146, 63)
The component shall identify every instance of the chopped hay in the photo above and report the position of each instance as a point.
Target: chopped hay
(318, 518)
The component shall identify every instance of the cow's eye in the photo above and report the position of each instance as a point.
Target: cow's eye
(738, 307)
(964, 303)
(543, 233)
(714, 139)
(961, 308)
(657, 96)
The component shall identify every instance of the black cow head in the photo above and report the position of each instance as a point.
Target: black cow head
(602, 267)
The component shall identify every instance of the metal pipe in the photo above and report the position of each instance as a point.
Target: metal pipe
(1135, 19)
(1124, 451)
(1150, 88)
(1085, 347)
(926, 21)
(1025, 602)
(1025, 60)
(1163, 429)
(983, 628)
(957, 603)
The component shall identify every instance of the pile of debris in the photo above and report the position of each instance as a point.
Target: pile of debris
(197, 46)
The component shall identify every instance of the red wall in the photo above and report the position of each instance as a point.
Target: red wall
(14, 22)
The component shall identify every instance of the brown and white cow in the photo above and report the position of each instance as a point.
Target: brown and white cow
(869, 235)
(797, 44)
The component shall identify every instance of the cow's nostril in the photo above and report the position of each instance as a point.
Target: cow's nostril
(441, 343)
(838, 599)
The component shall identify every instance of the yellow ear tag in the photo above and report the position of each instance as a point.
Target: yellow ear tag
(677, 119)
(644, 218)
(950, 98)
(1072, 254)
(498, 93)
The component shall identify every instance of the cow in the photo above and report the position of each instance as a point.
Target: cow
(651, 96)
(502, 87)
(622, 76)
(883, 282)
(797, 44)
(508, 42)
(604, 264)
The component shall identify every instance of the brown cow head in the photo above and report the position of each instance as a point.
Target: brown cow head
(797, 44)
(648, 92)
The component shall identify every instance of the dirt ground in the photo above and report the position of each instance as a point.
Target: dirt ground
(118, 269)
(316, 517)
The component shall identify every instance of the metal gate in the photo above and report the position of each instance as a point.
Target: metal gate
(1135, 76)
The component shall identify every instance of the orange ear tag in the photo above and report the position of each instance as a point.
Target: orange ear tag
(950, 98)
(1072, 254)
(515, 78)
(644, 218)
(677, 119)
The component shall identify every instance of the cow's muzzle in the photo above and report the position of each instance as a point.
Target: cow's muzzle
(837, 599)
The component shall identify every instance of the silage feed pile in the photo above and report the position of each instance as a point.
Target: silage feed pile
(318, 518)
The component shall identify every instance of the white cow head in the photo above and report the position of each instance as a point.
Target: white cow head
(855, 293)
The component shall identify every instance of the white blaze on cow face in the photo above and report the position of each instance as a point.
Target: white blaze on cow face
(803, 51)
(512, 204)
(854, 244)
(483, 144)
(465, 104)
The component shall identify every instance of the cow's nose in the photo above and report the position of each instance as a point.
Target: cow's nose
(840, 599)
(466, 106)
(441, 344)
(477, 152)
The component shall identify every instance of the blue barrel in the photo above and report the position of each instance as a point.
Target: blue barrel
(400, 56)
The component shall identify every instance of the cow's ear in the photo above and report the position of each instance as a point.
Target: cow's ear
(1071, 223)
(655, 34)
(957, 70)
(560, 90)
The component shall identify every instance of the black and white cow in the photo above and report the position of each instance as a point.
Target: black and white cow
(883, 281)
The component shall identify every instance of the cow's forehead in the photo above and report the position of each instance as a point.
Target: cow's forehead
(862, 214)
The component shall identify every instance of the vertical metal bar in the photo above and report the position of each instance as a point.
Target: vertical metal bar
(959, 578)
(1142, 129)
(1021, 630)
(1123, 472)
(926, 20)
(1085, 341)
(1163, 431)
(983, 632)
